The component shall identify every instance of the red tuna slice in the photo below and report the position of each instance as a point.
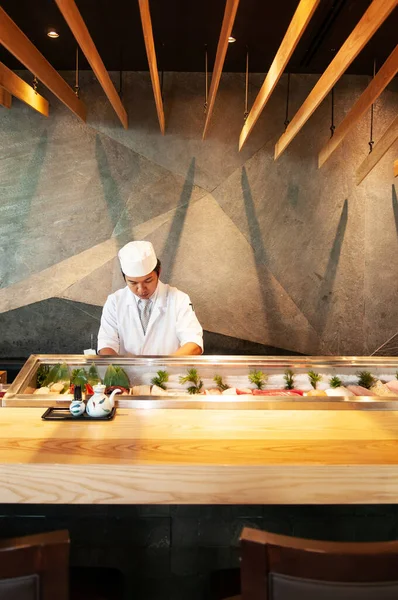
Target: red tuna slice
(359, 390)
(277, 393)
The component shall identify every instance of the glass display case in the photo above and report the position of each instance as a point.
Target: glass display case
(208, 382)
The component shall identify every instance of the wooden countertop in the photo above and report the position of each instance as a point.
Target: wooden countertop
(201, 456)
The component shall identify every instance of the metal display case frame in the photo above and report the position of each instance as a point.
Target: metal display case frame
(20, 393)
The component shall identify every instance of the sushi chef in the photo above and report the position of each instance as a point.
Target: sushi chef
(147, 317)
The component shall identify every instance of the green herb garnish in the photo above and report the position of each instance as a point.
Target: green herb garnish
(192, 376)
(79, 377)
(161, 379)
(289, 378)
(258, 378)
(366, 379)
(58, 373)
(220, 384)
(93, 377)
(116, 376)
(314, 378)
(41, 375)
(335, 382)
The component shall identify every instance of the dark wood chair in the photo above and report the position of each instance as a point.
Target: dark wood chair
(276, 567)
(35, 567)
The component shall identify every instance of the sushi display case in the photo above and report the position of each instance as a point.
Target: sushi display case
(211, 382)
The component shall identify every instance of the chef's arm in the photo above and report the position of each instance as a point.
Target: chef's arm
(107, 352)
(188, 349)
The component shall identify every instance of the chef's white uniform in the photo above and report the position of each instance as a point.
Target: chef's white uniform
(172, 323)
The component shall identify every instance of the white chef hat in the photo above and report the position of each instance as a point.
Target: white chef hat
(137, 259)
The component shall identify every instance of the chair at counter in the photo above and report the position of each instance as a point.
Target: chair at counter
(276, 567)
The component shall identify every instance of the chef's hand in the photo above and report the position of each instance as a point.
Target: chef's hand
(107, 352)
(188, 349)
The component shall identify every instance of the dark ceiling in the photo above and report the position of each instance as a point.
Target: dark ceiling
(182, 28)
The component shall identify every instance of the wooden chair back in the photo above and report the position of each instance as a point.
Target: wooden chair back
(276, 567)
(35, 567)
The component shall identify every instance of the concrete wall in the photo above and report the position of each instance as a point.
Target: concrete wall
(275, 253)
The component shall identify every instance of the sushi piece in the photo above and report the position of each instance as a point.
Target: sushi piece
(158, 391)
(359, 390)
(229, 392)
(339, 391)
(277, 393)
(380, 389)
(315, 392)
(393, 385)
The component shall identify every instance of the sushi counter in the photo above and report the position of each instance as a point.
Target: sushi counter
(204, 430)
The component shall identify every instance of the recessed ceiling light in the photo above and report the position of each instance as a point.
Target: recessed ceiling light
(52, 33)
(231, 39)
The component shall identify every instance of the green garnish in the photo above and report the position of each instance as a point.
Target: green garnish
(220, 384)
(335, 382)
(93, 377)
(366, 379)
(396, 374)
(289, 378)
(192, 376)
(79, 377)
(258, 378)
(161, 379)
(41, 375)
(314, 378)
(116, 376)
(58, 373)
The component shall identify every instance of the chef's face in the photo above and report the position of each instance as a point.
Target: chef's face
(143, 287)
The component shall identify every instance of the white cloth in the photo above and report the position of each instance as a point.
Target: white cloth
(172, 323)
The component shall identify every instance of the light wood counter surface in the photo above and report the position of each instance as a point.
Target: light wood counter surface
(201, 456)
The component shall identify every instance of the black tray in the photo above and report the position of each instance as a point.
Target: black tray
(63, 414)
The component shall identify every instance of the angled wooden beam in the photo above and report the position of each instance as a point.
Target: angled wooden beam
(365, 101)
(297, 26)
(396, 168)
(79, 29)
(151, 54)
(231, 7)
(22, 48)
(385, 142)
(375, 15)
(22, 90)
(5, 98)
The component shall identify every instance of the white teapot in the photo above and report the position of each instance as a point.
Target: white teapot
(100, 405)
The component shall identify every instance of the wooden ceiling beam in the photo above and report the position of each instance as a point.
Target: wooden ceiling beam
(22, 90)
(231, 7)
(298, 24)
(5, 98)
(385, 142)
(151, 55)
(82, 35)
(374, 16)
(365, 101)
(396, 168)
(22, 48)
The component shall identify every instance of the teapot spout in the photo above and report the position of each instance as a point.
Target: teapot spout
(112, 396)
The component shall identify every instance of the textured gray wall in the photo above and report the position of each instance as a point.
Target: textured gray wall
(278, 253)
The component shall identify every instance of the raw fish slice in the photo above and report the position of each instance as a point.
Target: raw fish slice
(243, 391)
(229, 392)
(316, 393)
(359, 390)
(339, 391)
(393, 385)
(380, 389)
(213, 392)
(276, 393)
